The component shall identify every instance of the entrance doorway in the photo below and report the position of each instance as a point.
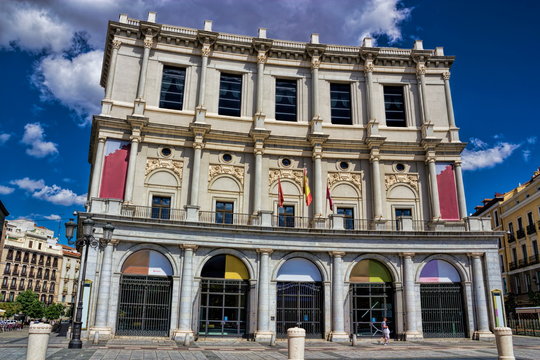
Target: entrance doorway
(224, 297)
(145, 295)
(441, 296)
(371, 294)
(300, 298)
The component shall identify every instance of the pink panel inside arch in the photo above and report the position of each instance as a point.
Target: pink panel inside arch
(439, 271)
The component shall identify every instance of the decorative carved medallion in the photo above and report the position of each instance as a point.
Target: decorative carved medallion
(205, 50)
(343, 176)
(446, 75)
(369, 67)
(409, 179)
(421, 70)
(176, 166)
(295, 175)
(148, 43)
(116, 44)
(315, 63)
(222, 169)
(261, 58)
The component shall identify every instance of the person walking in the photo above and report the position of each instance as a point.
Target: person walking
(385, 332)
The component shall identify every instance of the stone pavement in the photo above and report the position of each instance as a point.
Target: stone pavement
(13, 347)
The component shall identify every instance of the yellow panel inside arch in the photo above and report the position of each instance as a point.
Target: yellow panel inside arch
(370, 271)
(235, 268)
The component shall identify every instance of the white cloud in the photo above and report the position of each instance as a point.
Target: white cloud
(73, 82)
(486, 157)
(33, 137)
(378, 17)
(59, 196)
(6, 190)
(4, 138)
(28, 184)
(532, 140)
(526, 155)
(52, 217)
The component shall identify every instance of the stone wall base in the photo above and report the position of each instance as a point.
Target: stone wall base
(180, 335)
(96, 334)
(264, 337)
(483, 336)
(413, 336)
(339, 337)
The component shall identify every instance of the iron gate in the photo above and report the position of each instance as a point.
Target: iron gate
(442, 311)
(144, 306)
(223, 307)
(370, 303)
(300, 303)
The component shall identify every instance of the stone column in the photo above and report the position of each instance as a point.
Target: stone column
(186, 300)
(338, 317)
(264, 334)
(261, 60)
(104, 293)
(195, 173)
(130, 179)
(460, 190)
(482, 332)
(98, 166)
(258, 177)
(454, 136)
(142, 75)
(317, 169)
(368, 71)
(376, 184)
(200, 113)
(112, 66)
(434, 188)
(315, 64)
(421, 76)
(409, 288)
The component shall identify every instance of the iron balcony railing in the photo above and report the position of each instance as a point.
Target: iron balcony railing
(511, 238)
(522, 262)
(534, 259)
(520, 233)
(512, 266)
(225, 218)
(158, 213)
(531, 229)
(289, 221)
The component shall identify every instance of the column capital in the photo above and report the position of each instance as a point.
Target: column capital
(188, 247)
(446, 75)
(261, 57)
(102, 139)
(368, 67)
(114, 242)
(475, 255)
(374, 157)
(457, 163)
(337, 254)
(430, 159)
(407, 255)
(116, 44)
(265, 251)
(205, 50)
(135, 138)
(148, 42)
(315, 63)
(420, 69)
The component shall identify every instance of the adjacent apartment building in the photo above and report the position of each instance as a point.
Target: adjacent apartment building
(69, 276)
(256, 184)
(31, 260)
(517, 214)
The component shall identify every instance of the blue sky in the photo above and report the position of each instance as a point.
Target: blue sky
(50, 56)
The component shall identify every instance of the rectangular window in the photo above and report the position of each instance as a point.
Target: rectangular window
(501, 262)
(340, 104)
(496, 218)
(535, 248)
(394, 106)
(30, 244)
(530, 218)
(286, 100)
(348, 217)
(399, 213)
(172, 88)
(224, 212)
(520, 224)
(514, 255)
(286, 216)
(524, 252)
(161, 207)
(511, 228)
(230, 94)
(517, 284)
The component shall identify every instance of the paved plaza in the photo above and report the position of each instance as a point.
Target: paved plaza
(13, 347)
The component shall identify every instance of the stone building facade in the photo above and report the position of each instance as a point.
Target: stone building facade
(31, 260)
(517, 214)
(201, 159)
(69, 276)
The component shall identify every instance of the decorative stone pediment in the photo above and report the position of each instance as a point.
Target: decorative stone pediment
(353, 178)
(296, 176)
(409, 179)
(235, 171)
(176, 166)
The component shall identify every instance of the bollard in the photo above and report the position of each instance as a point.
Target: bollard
(38, 341)
(505, 347)
(354, 339)
(296, 342)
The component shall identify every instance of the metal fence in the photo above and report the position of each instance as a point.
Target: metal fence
(528, 327)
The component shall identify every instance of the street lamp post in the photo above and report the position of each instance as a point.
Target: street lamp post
(84, 243)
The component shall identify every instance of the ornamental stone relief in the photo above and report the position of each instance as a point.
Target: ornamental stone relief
(295, 175)
(221, 169)
(409, 179)
(176, 166)
(342, 176)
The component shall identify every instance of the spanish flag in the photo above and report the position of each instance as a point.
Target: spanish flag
(307, 191)
(280, 196)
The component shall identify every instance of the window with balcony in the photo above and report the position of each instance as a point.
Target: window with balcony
(5, 283)
(13, 283)
(501, 262)
(517, 284)
(11, 297)
(511, 236)
(55, 262)
(48, 263)
(40, 273)
(348, 217)
(41, 260)
(2, 296)
(520, 231)
(172, 88)
(534, 259)
(53, 275)
(44, 288)
(18, 256)
(33, 259)
(340, 103)
(29, 284)
(524, 254)
(52, 287)
(394, 106)
(9, 255)
(16, 269)
(43, 298)
(161, 207)
(531, 227)
(7, 269)
(21, 284)
(46, 274)
(286, 216)
(32, 272)
(23, 271)
(286, 99)
(26, 256)
(230, 94)
(496, 216)
(224, 212)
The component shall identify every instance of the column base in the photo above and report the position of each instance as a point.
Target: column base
(339, 336)
(192, 213)
(264, 337)
(96, 334)
(483, 336)
(413, 336)
(181, 335)
(106, 107)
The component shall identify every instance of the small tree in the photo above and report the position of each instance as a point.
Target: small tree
(30, 304)
(11, 308)
(54, 311)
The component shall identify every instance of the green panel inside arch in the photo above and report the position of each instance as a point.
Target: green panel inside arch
(370, 271)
